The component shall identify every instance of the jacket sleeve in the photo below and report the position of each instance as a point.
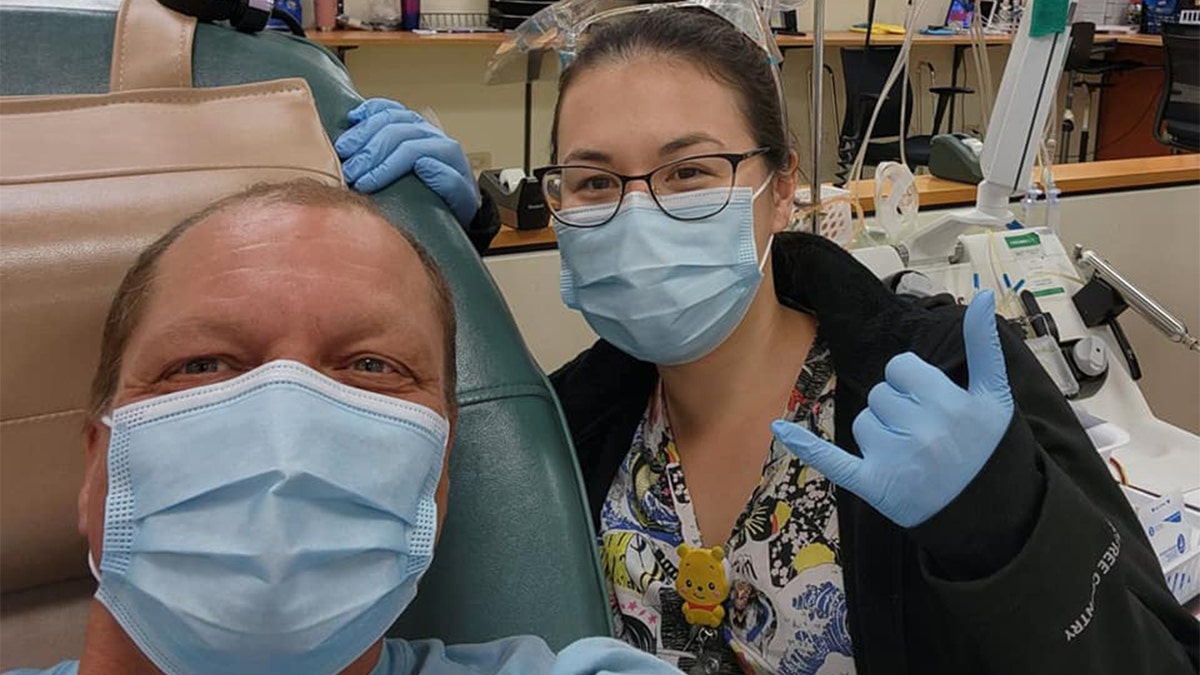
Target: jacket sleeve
(603, 393)
(484, 226)
(1041, 558)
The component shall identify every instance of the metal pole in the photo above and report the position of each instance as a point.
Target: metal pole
(817, 107)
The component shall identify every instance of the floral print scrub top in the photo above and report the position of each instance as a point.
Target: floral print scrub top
(786, 610)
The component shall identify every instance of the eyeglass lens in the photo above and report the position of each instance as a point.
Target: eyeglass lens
(587, 196)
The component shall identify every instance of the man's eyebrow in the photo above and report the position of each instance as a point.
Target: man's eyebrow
(687, 141)
(190, 327)
(232, 329)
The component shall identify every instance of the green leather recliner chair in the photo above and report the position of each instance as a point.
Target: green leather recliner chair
(517, 552)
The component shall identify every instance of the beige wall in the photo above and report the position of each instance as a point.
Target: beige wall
(1157, 253)
(1153, 238)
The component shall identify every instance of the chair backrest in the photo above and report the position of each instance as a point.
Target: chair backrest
(865, 71)
(1179, 102)
(1181, 42)
(1083, 39)
(517, 552)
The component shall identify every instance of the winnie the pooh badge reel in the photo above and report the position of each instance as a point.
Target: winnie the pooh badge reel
(703, 583)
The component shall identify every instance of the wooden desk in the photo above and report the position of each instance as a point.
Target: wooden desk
(509, 240)
(1136, 39)
(1072, 179)
(852, 39)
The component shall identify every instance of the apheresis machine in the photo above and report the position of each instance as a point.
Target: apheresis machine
(1065, 298)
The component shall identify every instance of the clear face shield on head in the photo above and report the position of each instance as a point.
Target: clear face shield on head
(562, 28)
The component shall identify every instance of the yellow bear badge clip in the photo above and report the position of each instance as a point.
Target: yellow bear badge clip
(703, 584)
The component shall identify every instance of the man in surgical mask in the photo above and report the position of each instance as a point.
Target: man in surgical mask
(265, 452)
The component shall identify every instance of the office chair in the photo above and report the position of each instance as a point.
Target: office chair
(865, 72)
(1082, 63)
(517, 552)
(1177, 122)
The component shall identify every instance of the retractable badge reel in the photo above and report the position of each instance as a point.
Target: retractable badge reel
(703, 583)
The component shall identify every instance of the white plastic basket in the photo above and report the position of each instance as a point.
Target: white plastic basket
(838, 222)
(1182, 574)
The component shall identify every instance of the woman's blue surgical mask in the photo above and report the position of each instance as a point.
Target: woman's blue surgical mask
(664, 290)
(275, 523)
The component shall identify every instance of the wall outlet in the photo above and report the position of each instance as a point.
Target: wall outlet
(479, 161)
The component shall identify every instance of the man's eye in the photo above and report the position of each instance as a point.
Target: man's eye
(370, 364)
(205, 365)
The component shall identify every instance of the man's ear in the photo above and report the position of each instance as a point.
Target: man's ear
(95, 445)
(785, 193)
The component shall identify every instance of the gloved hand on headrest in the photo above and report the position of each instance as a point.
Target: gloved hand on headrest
(387, 141)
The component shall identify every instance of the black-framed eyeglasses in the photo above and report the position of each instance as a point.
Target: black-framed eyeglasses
(588, 196)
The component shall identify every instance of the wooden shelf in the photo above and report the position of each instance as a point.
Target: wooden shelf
(368, 38)
(400, 38)
(1072, 179)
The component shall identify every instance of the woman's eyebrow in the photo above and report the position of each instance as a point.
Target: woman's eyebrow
(586, 155)
(687, 141)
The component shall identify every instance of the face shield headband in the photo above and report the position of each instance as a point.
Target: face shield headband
(562, 26)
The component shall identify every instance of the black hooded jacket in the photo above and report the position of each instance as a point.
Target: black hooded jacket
(1038, 566)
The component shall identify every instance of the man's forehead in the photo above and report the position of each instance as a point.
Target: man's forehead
(248, 249)
(280, 222)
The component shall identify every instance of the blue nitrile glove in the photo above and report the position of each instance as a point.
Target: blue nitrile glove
(606, 656)
(388, 140)
(923, 439)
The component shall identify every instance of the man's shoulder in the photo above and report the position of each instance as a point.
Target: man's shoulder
(507, 656)
(64, 668)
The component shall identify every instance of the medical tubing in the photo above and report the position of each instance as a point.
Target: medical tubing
(990, 90)
(978, 47)
(814, 197)
(904, 115)
(901, 58)
(909, 20)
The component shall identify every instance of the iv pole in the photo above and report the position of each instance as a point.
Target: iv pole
(817, 99)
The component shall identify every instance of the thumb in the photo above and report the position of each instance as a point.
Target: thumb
(371, 106)
(458, 191)
(833, 462)
(985, 358)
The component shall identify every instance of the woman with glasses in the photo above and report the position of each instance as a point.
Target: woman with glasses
(893, 487)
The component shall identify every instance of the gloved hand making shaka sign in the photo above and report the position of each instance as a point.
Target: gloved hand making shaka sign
(923, 438)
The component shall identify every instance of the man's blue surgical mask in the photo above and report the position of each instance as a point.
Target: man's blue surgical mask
(664, 290)
(275, 523)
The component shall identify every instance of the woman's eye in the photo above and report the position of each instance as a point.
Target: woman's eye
(687, 173)
(370, 364)
(597, 183)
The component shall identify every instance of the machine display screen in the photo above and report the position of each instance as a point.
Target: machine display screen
(960, 13)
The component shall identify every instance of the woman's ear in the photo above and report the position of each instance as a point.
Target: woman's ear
(785, 193)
